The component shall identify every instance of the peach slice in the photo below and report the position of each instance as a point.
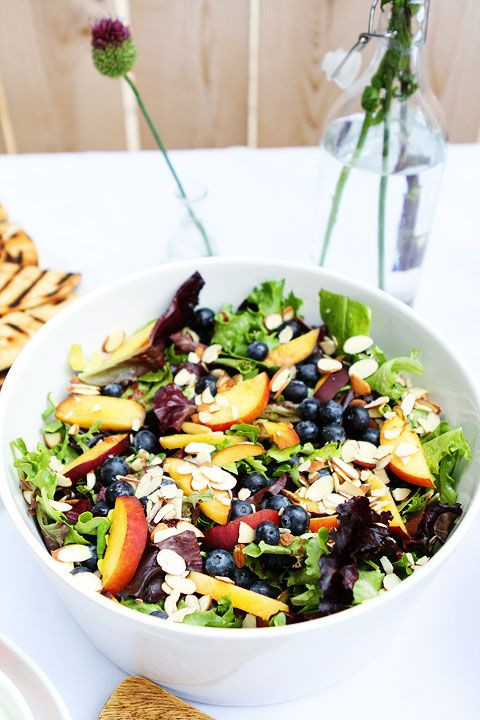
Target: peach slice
(283, 434)
(213, 509)
(126, 542)
(329, 522)
(173, 442)
(96, 456)
(246, 600)
(377, 483)
(411, 468)
(294, 351)
(112, 413)
(129, 347)
(243, 403)
(226, 536)
(234, 453)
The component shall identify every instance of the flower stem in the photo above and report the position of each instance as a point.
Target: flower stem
(164, 152)
(382, 198)
(342, 180)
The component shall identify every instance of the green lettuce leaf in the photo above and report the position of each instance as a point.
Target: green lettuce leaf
(314, 548)
(146, 608)
(385, 379)
(278, 620)
(234, 331)
(222, 616)
(269, 298)
(367, 586)
(250, 431)
(308, 599)
(87, 524)
(343, 316)
(442, 450)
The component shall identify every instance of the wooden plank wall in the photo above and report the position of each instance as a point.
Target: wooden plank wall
(213, 72)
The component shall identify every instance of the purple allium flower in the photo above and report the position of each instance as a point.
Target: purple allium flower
(109, 32)
(113, 49)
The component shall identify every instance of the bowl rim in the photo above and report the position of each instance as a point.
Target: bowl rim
(38, 672)
(244, 634)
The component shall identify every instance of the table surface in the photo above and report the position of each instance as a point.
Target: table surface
(107, 214)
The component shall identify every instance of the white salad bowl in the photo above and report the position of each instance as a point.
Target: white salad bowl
(230, 667)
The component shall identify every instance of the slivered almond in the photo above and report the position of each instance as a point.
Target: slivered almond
(72, 553)
(205, 601)
(280, 380)
(288, 313)
(360, 386)
(238, 555)
(211, 354)
(328, 365)
(88, 580)
(113, 341)
(357, 344)
(171, 562)
(363, 368)
(273, 321)
(346, 469)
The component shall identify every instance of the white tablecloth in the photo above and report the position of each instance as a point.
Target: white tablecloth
(108, 214)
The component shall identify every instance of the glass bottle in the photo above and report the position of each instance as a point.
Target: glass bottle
(384, 156)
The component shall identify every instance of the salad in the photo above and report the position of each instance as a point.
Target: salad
(245, 467)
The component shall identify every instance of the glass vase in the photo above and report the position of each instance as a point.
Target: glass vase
(382, 170)
(189, 239)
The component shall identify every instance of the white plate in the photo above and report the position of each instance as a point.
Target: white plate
(26, 688)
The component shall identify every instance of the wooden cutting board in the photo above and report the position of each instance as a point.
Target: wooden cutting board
(137, 698)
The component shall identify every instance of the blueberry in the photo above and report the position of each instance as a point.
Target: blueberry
(278, 502)
(119, 488)
(307, 431)
(329, 412)
(144, 501)
(268, 532)
(112, 467)
(296, 391)
(371, 435)
(79, 569)
(220, 562)
(308, 409)
(263, 588)
(331, 433)
(296, 327)
(265, 500)
(355, 421)
(295, 519)
(240, 508)
(255, 482)
(257, 351)
(96, 437)
(243, 577)
(207, 381)
(204, 321)
(100, 509)
(113, 390)
(91, 563)
(145, 440)
(293, 461)
(159, 614)
(308, 373)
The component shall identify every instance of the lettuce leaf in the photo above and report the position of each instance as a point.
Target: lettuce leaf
(367, 586)
(385, 379)
(222, 616)
(269, 298)
(343, 316)
(250, 431)
(442, 450)
(142, 607)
